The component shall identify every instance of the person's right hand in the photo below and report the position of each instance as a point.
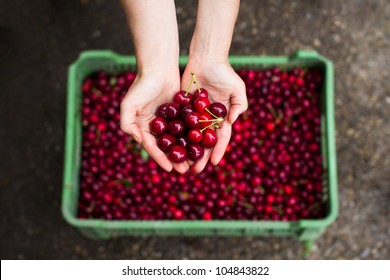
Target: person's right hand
(138, 108)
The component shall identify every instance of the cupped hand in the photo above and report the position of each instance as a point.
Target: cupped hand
(225, 86)
(138, 108)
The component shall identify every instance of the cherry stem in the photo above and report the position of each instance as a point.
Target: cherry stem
(289, 121)
(272, 109)
(262, 190)
(96, 92)
(213, 124)
(91, 207)
(213, 120)
(279, 118)
(189, 86)
(97, 135)
(207, 109)
(248, 205)
(195, 81)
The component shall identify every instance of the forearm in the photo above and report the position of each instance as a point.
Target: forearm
(154, 30)
(214, 29)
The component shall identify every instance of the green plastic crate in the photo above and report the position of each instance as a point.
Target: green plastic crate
(306, 230)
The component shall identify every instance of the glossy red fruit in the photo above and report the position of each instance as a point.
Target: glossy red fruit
(205, 118)
(178, 214)
(182, 98)
(209, 138)
(186, 110)
(195, 152)
(162, 111)
(218, 109)
(270, 126)
(177, 154)
(172, 110)
(165, 141)
(176, 127)
(192, 120)
(201, 93)
(195, 135)
(207, 216)
(182, 141)
(158, 125)
(200, 104)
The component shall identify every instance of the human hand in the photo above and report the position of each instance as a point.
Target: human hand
(139, 106)
(225, 86)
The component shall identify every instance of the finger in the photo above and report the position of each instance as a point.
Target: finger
(223, 135)
(199, 165)
(239, 102)
(149, 144)
(127, 122)
(234, 112)
(181, 167)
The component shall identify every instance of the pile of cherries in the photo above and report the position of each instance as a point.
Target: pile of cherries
(185, 127)
(272, 169)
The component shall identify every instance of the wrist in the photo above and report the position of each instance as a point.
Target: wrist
(203, 50)
(162, 61)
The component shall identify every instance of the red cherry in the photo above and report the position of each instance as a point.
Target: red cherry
(195, 135)
(206, 119)
(177, 154)
(176, 127)
(158, 125)
(201, 93)
(209, 138)
(172, 110)
(270, 126)
(218, 109)
(186, 110)
(182, 141)
(178, 214)
(182, 98)
(192, 120)
(195, 152)
(207, 216)
(162, 111)
(165, 141)
(200, 104)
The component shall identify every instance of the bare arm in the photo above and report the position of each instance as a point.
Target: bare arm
(154, 29)
(208, 59)
(214, 30)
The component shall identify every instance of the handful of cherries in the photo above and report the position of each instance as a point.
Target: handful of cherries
(185, 127)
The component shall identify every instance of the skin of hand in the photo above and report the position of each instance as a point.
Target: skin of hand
(138, 109)
(157, 48)
(155, 35)
(208, 60)
(225, 86)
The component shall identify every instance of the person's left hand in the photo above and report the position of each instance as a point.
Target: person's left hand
(225, 86)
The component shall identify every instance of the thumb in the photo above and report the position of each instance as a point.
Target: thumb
(128, 122)
(239, 103)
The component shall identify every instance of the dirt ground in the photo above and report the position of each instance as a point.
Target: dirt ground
(39, 39)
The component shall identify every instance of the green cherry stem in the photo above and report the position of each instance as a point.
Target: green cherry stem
(213, 124)
(195, 81)
(272, 109)
(217, 120)
(211, 113)
(189, 86)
